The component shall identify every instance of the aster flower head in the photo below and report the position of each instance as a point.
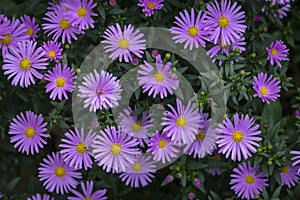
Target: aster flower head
(158, 79)
(57, 175)
(28, 131)
(162, 148)
(267, 88)
(31, 27)
(238, 138)
(100, 91)
(113, 149)
(40, 197)
(140, 172)
(225, 23)
(189, 29)
(61, 80)
(296, 158)
(281, 2)
(150, 5)
(52, 50)
(80, 13)
(87, 192)
(137, 128)
(75, 148)
(277, 52)
(289, 175)
(247, 182)
(22, 63)
(205, 139)
(181, 124)
(124, 43)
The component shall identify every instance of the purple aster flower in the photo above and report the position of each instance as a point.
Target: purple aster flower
(122, 43)
(28, 131)
(80, 13)
(137, 128)
(273, 2)
(181, 124)
(225, 23)
(297, 159)
(58, 25)
(31, 27)
(75, 148)
(100, 91)
(150, 5)
(169, 179)
(157, 80)
(239, 137)
(140, 172)
(247, 182)
(52, 50)
(40, 197)
(282, 12)
(87, 193)
(267, 88)
(190, 30)
(13, 34)
(22, 63)
(162, 148)
(277, 52)
(205, 139)
(57, 175)
(61, 80)
(289, 176)
(113, 149)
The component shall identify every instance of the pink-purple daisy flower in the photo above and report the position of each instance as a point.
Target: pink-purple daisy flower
(225, 23)
(247, 182)
(238, 138)
(189, 29)
(40, 197)
(75, 148)
(113, 149)
(52, 50)
(22, 63)
(150, 5)
(162, 148)
(28, 131)
(140, 173)
(100, 91)
(267, 88)
(297, 159)
(289, 175)
(157, 80)
(87, 192)
(124, 43)
(277, 52)
(31, 27)
(181, 124)
(61, 80)
(57, 175)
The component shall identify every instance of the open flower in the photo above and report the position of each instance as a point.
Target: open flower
(277, 52)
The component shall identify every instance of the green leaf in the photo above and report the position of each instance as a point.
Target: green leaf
(12, 184)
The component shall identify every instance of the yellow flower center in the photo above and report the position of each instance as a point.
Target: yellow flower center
(25, 64)
(81, 12)
(249, 179)
(274, 52)
(159, 77)
(81, 148)
(181, 122)
(64, 24)
(162, 143)
(115, 149)
(51, 54)
(136, 167)
(150, 5)
(193, 31)
(284, 169)
(60, 82)
(214, 157)
(237, 136)
(88, 198)
(100, 92)
(221, 46)
(200, 136)
(7, 40)
(263, 91)
(223, 22)
(123, 43)
(136, 127)
(30, 31)
(29, 132)
(60, 172)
